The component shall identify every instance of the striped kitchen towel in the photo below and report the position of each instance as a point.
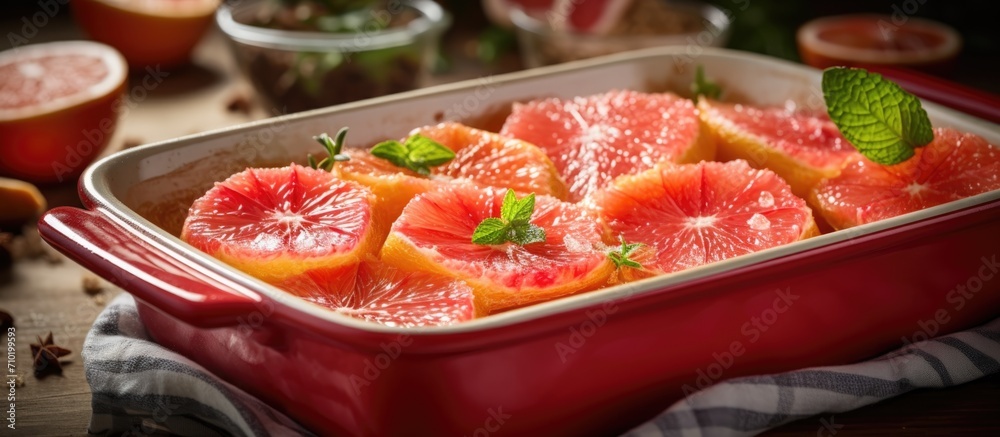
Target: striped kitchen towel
(141, 388)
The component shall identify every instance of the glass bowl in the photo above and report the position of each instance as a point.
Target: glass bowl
(299, 70)
(541, 44)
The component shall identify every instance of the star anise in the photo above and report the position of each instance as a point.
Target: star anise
(46, 356)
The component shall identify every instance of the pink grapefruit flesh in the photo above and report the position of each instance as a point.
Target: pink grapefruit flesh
(488, 159)
(277, 223)
(592, 140)
(953, 166)
(802, 147)
(386, 295)
(696, 214)
(434, 234)
(59, 107)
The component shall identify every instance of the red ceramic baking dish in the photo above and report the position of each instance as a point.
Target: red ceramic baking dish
(591, 364)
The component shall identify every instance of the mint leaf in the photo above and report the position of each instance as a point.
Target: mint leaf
(526, 233)
(333, 148)
(883, 121)
(513, 224)
(704, 87)
(491, 231)
(392, 151)
(418, 153)
(521, 210)
(509, 206)
(428, 152)
(620, 256)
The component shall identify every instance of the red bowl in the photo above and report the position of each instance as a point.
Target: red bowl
(591, 364)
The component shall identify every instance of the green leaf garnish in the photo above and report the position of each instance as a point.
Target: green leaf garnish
(418, 153)
(620, 256)
(491, 231)
(703, 86)
(333, 147)
(883, 121)
(513, 225)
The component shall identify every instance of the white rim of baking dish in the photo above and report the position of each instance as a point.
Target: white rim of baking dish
(95, 185)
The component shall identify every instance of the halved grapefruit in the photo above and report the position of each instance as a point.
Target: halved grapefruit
(147, 32)
(592, 140)
(434, 234)
(280, 222)
(953, 166)
(386, 295)
(801, 147)
(58, 107)
(696, 214)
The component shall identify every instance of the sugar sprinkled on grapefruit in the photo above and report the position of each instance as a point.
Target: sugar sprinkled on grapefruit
(801, 147)
(491, 160)
(280, 222)
(386, 295)
(593, 140)
(434, 234)
(953, 166)
(482, 158)
(700, 213)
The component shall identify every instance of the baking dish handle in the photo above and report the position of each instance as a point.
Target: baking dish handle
(176, 286)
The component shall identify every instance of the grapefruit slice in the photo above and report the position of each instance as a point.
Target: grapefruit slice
(58, 107)
(392, 186)
(488, 159)
(593, 140)
(148, 32)
(434, 234)
(953, 166)
(696, 214)
(481, 157)
(277, 223)
(803, 148)
(386, 295)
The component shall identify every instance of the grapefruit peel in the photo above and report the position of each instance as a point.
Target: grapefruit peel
(883, 121)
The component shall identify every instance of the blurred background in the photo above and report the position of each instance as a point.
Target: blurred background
(761, 26)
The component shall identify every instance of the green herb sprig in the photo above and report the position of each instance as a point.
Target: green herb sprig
(333, 147)
(704, 87)
(513, 225)
(418, 153)
(621, 256)
(883, 121)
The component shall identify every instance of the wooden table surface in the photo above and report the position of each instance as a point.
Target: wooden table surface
(46, 296)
